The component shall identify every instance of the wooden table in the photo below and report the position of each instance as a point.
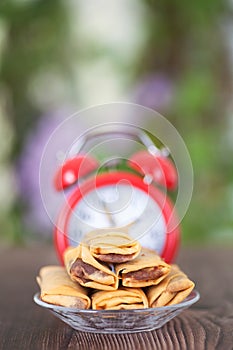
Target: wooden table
(206, 325)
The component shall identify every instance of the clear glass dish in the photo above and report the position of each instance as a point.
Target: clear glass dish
(118, 321)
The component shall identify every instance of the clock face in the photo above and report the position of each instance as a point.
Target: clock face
(120, 206)
(118, 200)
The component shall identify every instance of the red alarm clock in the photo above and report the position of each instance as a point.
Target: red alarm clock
(130, 195)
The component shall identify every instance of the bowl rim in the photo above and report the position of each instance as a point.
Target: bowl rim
(193, 297)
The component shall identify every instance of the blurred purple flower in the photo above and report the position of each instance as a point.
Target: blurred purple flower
(154, 91)
(28, 167)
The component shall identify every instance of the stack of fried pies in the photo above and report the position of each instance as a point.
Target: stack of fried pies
(110, 270)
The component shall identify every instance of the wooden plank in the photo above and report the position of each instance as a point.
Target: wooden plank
(193, 329)
(207, 325)
(22, 325)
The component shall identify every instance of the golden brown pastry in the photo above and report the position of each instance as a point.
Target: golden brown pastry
(172, 290)
(146, 270)
(57, 288)
(85, 269)
(112, 246)
(121, 299)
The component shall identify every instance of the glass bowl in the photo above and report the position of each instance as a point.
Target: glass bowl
(118, 321)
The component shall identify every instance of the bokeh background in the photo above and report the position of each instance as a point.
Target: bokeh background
(58, 56)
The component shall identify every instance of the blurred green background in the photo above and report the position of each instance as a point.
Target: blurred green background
(60, 56)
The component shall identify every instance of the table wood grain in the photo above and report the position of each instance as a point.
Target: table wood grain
(206, 325)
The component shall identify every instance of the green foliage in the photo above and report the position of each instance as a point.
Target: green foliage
(185, 41)
(36, 39)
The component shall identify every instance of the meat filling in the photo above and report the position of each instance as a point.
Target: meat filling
(84, 271)
(115, 258)
(149, 273)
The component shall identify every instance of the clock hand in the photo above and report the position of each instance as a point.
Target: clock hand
(108, 213)
(124, 228)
